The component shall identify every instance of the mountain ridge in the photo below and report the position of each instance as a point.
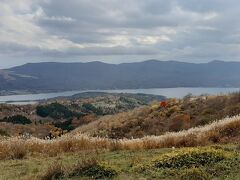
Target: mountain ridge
(56, 76)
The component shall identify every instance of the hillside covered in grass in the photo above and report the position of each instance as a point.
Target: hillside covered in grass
(178, 114)
(67, 113)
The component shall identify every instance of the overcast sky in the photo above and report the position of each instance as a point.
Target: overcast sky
(116, 31)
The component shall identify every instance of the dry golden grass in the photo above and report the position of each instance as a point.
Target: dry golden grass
(12, 149)
(225, 130)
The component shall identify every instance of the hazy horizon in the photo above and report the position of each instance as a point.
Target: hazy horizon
(138, 61)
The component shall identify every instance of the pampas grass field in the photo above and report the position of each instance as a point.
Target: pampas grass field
(225, 130)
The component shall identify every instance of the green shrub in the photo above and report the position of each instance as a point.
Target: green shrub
(98, 172)
(56, 111)
(91, 108)
(93, 169)
(66, 125)
(3, 132)
(194, 174)
(42, 111)
(191, 157)
(18, 119)
(192, 164)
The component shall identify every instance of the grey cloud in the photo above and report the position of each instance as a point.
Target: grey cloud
(190, 30)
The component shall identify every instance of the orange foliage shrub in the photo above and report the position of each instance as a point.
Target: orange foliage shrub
(163, 104)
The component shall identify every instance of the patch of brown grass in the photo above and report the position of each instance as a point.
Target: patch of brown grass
(12, 150)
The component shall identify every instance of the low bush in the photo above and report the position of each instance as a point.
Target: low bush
(191, 157)
(89, 168)
(3, 132)
(192, 164)
(93, 169)
(65, 125)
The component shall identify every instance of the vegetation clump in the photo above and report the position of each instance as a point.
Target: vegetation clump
(200, 163)
(17, 119)
(93, 169)
(89, 168)
(56, 111)
(3, 132)
(91, 108)
(191, 157)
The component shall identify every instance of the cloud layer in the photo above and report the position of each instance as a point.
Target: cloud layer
(118, 30)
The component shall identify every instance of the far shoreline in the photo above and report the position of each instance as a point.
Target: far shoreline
(34, 92)
(178, 92)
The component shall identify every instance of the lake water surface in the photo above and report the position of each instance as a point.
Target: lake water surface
(168, 92)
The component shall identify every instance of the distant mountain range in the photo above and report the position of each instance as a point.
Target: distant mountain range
(97, 75)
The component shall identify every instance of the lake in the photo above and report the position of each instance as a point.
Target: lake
(168, 92)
